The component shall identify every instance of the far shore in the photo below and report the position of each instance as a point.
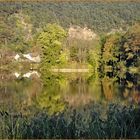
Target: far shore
(70, 70)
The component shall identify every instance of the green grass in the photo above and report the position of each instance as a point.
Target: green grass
(117, 122)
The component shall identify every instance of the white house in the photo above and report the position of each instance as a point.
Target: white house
(32, 58)
(17, 56)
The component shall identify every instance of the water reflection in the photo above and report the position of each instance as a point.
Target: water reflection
(26, 75)
(56, 91)
(75, 105)
(17, 93)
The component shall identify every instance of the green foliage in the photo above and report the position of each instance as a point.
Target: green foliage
(121, 51)
(16, 32)
(120, 122)
(73, 53)
(111, 49)
(50, 98)
(100, 16)
(130, 47)
(51, 117)
(51, 101)
(80, 49)
(64, 57)
(22, 23)
(50, 39)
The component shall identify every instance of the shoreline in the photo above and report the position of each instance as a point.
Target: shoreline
(70, 70)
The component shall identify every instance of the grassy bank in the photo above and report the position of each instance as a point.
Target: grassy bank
(118, 122)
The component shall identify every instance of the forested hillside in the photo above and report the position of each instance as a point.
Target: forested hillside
(82, 34)
(70, 70)
(99, 16)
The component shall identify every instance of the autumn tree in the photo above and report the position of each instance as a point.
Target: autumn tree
(130, 46)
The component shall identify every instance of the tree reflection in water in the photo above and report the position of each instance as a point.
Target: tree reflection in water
(71, 106)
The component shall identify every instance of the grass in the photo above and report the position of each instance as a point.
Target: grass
(88, 122)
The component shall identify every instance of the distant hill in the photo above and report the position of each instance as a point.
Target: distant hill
(97, 15)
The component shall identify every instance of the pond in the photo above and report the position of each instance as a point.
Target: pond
(69, 105)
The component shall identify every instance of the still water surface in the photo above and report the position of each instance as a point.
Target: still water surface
(70, 89)
(68, 105)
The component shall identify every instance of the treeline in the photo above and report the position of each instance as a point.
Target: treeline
(100, 16)
(121, 51)
(23, 27)
(113, 52)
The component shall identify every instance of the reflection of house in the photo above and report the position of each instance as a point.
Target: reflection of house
(27, 75)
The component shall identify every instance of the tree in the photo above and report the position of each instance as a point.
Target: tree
(50, 39)
(111, 50)
(130, 46)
